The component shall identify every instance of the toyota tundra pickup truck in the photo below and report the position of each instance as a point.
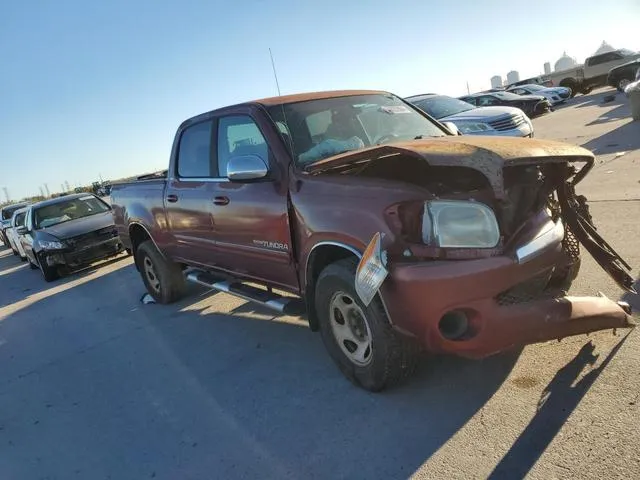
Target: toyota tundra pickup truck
(388, 231)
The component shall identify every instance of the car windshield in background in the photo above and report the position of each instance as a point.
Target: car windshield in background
(7, 212)
(319, 129)
(66, 211)
(442, 106)
(625, 52)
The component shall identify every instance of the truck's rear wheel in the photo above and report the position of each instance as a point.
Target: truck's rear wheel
(622, 84)
(164, 279)
(359, 339)
(570, 83)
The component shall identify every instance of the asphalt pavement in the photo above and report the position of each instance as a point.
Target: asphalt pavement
(96, 385)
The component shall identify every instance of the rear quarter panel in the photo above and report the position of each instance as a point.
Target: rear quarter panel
(141, 203)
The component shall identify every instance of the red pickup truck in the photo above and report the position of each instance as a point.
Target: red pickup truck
(392, 233)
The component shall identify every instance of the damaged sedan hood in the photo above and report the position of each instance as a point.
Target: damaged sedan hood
(487, 155)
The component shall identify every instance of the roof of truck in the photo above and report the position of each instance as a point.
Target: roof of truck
(283, 100)
(304, 97)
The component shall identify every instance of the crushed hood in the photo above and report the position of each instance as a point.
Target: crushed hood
(488, 155)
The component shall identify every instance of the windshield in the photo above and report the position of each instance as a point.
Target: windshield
(65, 211)
(442, 106)
(7, 212)
(318, 129)
(626, 52)
(534, 87)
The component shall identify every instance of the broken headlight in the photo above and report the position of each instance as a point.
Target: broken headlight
(459, 224)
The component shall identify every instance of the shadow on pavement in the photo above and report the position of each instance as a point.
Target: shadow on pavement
(558, 401)
(276, 383)
(633, 299)
(622, 110)
(591, 99)
(13, 290)
(622, 139)
(182, 391)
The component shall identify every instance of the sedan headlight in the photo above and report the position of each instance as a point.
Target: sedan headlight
(459, 224)
(470, 128)
(51, 245)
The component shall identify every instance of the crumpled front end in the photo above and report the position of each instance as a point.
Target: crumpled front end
(508, 285)
(477, 308)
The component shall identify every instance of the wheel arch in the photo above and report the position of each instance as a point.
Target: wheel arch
(322, 254)
(138, 234)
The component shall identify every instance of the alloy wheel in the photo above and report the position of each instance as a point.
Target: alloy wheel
(150, 273)
(350, 329)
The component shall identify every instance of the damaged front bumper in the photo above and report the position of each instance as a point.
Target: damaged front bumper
(423, 299)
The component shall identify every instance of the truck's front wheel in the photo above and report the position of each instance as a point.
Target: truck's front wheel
(164, 279)
(359, 338)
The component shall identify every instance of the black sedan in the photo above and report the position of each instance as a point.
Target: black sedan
(67, 233)
(532, 105)
(621, 76)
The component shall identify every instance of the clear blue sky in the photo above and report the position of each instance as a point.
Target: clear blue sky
(91, 88)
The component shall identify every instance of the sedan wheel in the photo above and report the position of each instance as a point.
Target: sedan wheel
(49, 273)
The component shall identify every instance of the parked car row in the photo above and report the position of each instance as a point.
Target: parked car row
(471, 120)
(61, 234)
(494, 112)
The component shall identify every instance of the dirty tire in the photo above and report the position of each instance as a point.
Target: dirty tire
(570, 84)
(623, 83)
(164, 279)
(393, 356)
(49, 274)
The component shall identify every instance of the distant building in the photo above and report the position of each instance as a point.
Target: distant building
(604, 48)
(496, 81)
(513, 76)
(547, 68)
(564, 62)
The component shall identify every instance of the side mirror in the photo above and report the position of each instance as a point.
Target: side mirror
(246, 167)
(22, 230)
(452, 128)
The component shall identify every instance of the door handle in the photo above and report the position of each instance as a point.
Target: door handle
(172, 198)
(220, 200)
